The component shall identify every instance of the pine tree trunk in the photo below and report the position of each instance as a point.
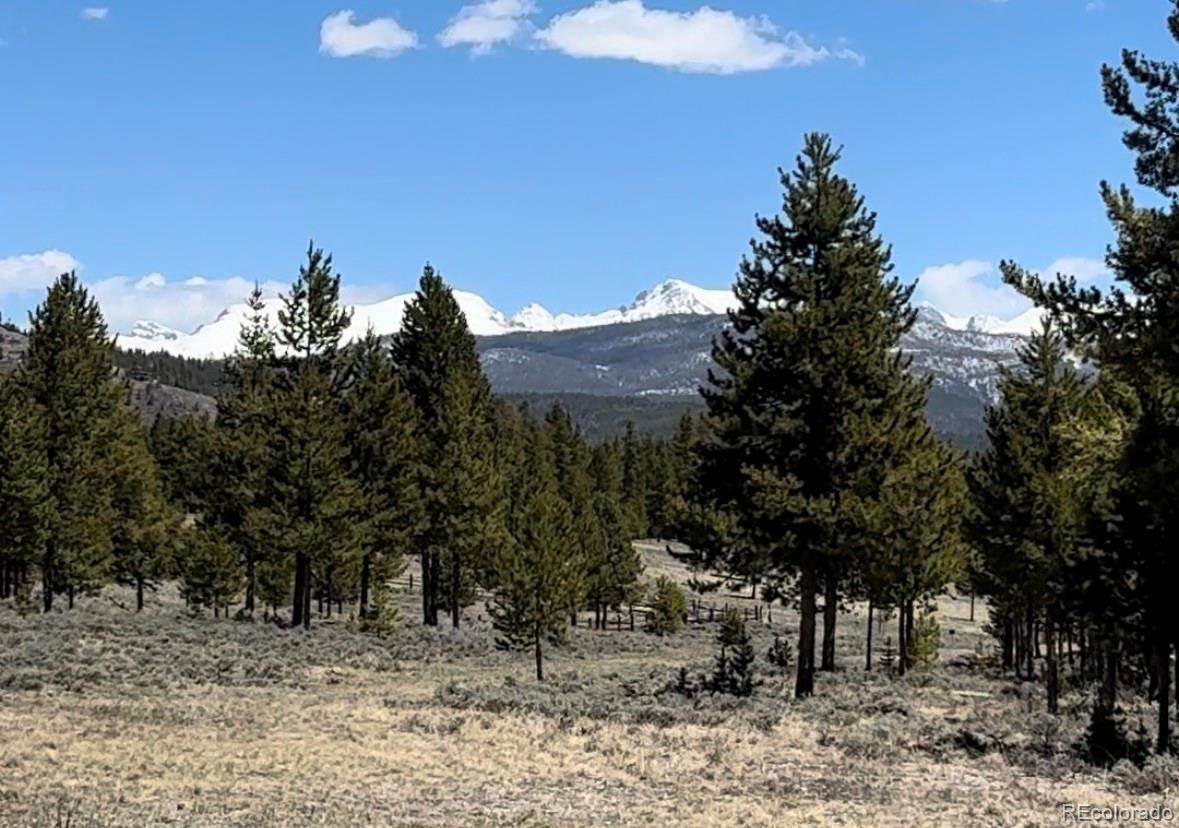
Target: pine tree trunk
(297, 598)
(1030, 645)
(830, 610)
(47, 564)
(365, 575)
(1163, 668)
(139, 594)
(972, 605)
(1111, 673)
(71, 595)
(868, 648)
(539, 657)
(804, 684)
(1051, 667)
(425, 586)
(902, 635)
(307, 588)
(4, 569)
(455, 586)
(251, 583)
(1008, 645)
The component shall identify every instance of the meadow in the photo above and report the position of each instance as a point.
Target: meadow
(112, 718)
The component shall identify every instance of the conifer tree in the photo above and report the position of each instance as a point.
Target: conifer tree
(381, 433)
(25, 500)
(1133, 327)
(1027, 524)
(313, 503)
(209, 569)
(67, 374)
(438, 366)
(810, 386)
(536, 579)
(240, 452)
(915, 550)
(144, 525)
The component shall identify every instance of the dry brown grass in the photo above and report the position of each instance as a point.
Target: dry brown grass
(161, 724)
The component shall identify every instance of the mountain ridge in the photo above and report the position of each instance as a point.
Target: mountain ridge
(672, 297)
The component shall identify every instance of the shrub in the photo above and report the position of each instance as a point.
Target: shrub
(780, 654)
(1107, 742)
(381, 618)
(668, 606)
(927, 638)
(733, 673)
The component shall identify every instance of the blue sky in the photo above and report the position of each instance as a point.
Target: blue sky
(557, 151)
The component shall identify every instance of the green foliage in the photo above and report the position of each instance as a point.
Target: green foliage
(537, 581)
(209, 570)
(927, 638)
(668, 607)
(812, 403)
(67, 377)
(733, 670)
(437, 364)
(380, 618)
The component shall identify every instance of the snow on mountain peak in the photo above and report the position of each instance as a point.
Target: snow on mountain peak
(670, 297)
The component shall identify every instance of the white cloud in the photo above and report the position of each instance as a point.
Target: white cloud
(488, 23)
(705, 40)
(1086, 270)
(180, 305)
(974, 287)
(381, 37)
(33, 271)
(969, 288)
(95, 13)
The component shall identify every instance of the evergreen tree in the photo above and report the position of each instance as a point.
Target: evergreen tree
(1133, 327)
(915, 550)
(144, 525)
(438, 366)
(209, 569)
(537, 580)
(381, 434)
(67, 375)
(239, 454)
(810, 387)
(1026, 522)
(313, 504)
(25, 501)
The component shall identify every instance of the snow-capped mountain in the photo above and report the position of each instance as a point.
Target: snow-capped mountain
(672, 297)
(219, 337)
(1021, 325)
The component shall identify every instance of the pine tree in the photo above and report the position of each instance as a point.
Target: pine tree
(144, 525)
(916, 548)
(381, 433)
(209, 569)
(810, 386)
(67, 374)
(536, 579)
(313, 504)
(1027, 523)
(438, 366)
(1133, 328)
(238, 457)
(25, 501)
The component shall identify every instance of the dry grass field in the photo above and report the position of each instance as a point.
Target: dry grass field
(112, 719)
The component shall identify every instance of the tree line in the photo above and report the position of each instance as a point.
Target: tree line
(325, 470)
(818, 478)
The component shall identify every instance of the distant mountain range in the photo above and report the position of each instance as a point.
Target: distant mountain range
(647, 358)
(672, 297)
